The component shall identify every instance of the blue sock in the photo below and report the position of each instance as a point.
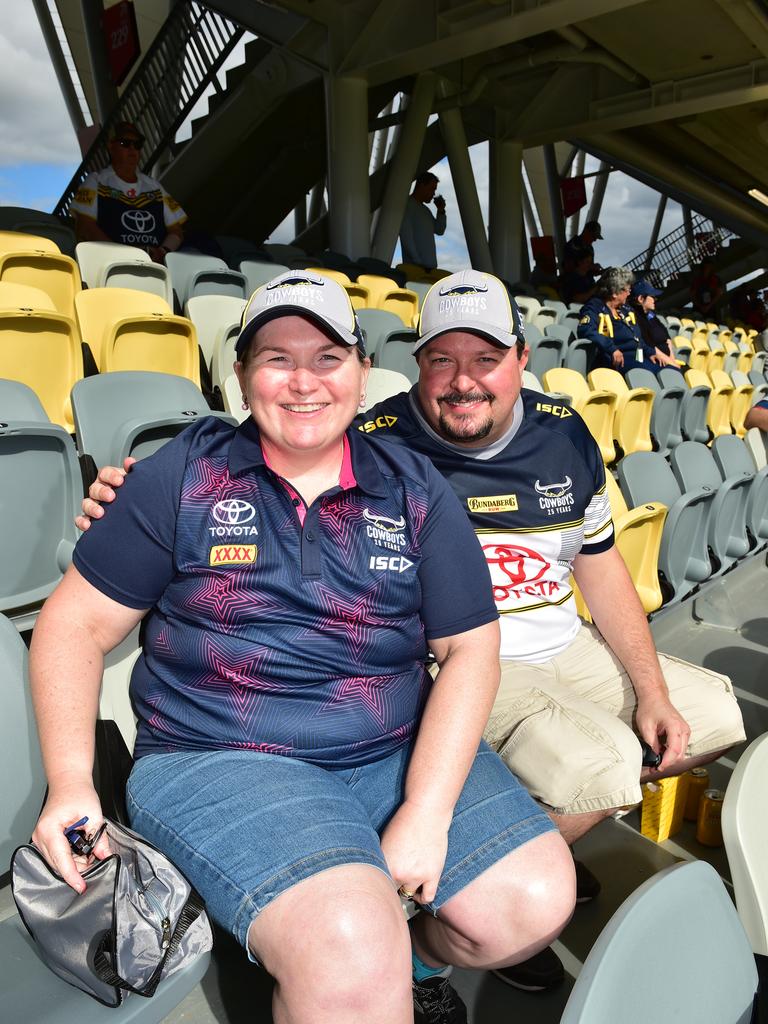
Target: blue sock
(422, 971)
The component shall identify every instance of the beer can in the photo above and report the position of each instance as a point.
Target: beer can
(709, 831)
(698, 781)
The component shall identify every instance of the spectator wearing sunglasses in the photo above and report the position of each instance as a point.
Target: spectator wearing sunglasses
(121, 204)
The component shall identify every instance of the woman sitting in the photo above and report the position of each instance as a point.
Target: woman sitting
(293, 756)
(611, 325)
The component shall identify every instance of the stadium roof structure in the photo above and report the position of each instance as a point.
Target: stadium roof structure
(674, 92)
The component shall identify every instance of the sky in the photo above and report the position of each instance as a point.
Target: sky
(40, 153)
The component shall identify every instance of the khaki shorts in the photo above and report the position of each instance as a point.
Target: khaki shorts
(564, 727)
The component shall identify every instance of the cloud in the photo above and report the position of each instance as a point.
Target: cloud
(34, 124)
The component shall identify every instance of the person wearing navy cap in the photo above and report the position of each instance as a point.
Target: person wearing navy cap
(642, 298)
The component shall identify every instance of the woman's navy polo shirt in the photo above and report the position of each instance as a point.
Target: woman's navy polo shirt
(266, 635)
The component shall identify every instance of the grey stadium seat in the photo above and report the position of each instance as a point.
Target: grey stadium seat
(40, 494)
(693, 416)
(194, 273)
(19, 402)
(376, 325)
(396, 353)
(546, 351)
(30, 991)
(701, 970)
(208, 313)
(733, 458)
(684, 560)
(694, 466)
(667, 407)
(258, 273)
(133, 413)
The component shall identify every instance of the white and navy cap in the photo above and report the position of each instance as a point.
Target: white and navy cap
(301, 293)
(470, 301)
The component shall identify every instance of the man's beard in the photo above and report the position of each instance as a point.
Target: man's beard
(471, 431)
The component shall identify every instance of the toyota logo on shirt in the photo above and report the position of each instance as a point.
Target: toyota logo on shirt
(234, 514)
(141, 221)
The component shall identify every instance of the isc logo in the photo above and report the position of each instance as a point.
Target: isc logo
(393, 563)
(555, 410)
(381, 422)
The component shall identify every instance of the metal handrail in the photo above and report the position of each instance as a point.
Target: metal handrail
(674, 254)
(182, 61)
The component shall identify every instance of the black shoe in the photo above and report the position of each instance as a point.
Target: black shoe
(543, 971)
(436, 1001)
(587, 886)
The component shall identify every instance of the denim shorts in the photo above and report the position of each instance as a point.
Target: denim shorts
(245, 826)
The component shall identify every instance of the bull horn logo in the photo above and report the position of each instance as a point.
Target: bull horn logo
(384, 522)
(554, 490)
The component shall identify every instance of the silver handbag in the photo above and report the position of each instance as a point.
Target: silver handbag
(138, 921)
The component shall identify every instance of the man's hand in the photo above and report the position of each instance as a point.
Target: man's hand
(415, 844)
(102, 490)
(156, 253)
(67, 803)
(439, 203)
(617, 359)
(660, 724)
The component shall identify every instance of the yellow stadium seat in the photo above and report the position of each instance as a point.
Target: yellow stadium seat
(596, 408)
(383, 293)
(413, 272)
(53, 273)
(687, 322)
(698, 358)
(24, 296)
(632, 422)
(717, 354)
(718, 407)
(741, 399)
(99, 310)
(746, 357)
(358, 295)
(19, 241)
(165, 344)
(42, 349)
(581, 605)
(638, 537)
(332, 275)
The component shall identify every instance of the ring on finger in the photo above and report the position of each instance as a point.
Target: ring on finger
(405, 893)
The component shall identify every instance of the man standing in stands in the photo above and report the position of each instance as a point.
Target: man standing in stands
(583, 245)
(575, 701)
(420, 225)
(120, 204)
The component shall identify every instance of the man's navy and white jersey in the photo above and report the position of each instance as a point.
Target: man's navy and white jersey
(134, 213)
(536, 499)
(303, 636)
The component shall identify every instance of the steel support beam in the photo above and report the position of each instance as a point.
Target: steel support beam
(346, 111)
(59, 63)
(505, 164)
(403, 168)
(573, 224)
(656, 231)
(598, 192)
(452, 127)
(555, 201)
(106, 93)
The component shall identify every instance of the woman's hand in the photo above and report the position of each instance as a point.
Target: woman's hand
(617, 359)
(415, 844)
(67, 803)
(102, 490)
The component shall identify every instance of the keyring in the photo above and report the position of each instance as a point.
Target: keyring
(405, 893)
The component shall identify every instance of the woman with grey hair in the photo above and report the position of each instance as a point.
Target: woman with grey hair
(610, 324)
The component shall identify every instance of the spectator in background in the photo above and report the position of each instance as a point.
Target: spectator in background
(758, 416)
(706, 289)
(583, 245)
(121, 204)
(653, 332)
(578, 284)
(544, 273)
(420, 225)
(607, 321)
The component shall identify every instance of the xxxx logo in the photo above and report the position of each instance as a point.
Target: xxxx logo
(232, 554)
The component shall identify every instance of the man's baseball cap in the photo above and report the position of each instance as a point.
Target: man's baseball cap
(301, 293)
(593, 226)
(125, 130)
(643, 287)
(470, 301)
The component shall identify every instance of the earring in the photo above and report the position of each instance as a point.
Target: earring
(362, 401)
(245, 403)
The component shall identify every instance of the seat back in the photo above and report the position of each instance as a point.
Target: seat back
(596, 408)
(93, 258)
(632, 422)
(420, 288)
(22, 779)
(557, 330)
(257, 273)
(233, 398)
(217, 282)
(545, 352)
(42, 350)
(142, 277)
(638, 534)
(184, 268)
(39, 473)
(54, 230)
(19, 241)
(734, 458)
(398, 355)
(224, 355)
(745, 833)
(718, 407)
(24, 296)
(132, 413)
(383, 384)
(163, 344)
(19, 402)
(53, 273)
(528, 307)
(700, 970)
(209, 313)
(99, 309)
(757, 447)
(667, 407)
(377, 324)
(331, 274)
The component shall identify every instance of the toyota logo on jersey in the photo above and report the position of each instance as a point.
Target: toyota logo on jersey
(234, 514)
(141, 221)
(513, 568)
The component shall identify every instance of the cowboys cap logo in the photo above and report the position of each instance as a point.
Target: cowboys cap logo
(554, 490)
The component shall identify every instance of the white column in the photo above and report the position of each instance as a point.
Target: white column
(403, 169)
(346, 113)
(505, 164)
(452, 127)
